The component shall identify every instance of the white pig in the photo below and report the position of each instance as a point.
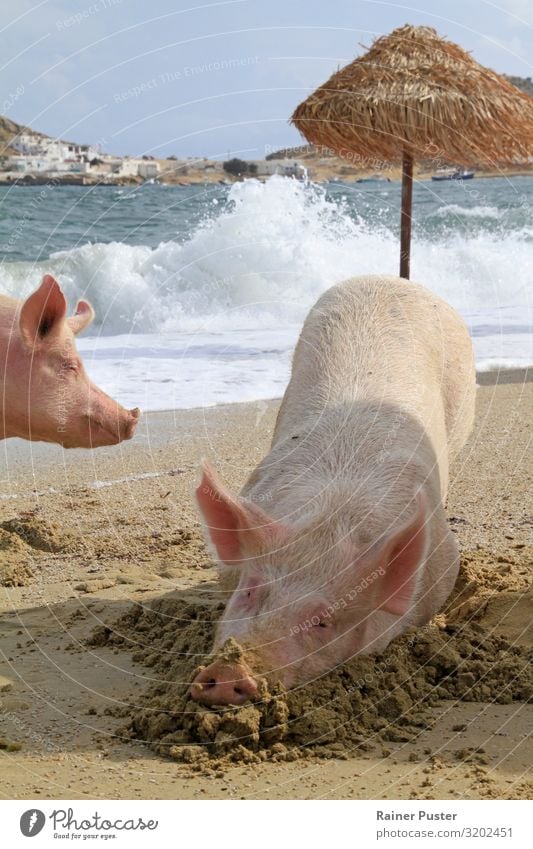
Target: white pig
(338, 541)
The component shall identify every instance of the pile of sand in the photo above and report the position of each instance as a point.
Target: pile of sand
(357, 707)
(29, 543)
(23, 541)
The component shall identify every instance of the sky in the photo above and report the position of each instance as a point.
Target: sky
(214, 79)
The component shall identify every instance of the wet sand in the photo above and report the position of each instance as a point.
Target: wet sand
(84, 535)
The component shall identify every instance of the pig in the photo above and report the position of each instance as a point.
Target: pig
(338, 541)
(46, 393)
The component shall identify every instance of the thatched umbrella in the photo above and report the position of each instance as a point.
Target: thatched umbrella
(412, 96)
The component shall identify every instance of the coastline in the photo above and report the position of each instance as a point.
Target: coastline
(158, 426)
(495, 377)
(199, 177)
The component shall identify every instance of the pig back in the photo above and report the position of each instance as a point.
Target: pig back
(391, 342)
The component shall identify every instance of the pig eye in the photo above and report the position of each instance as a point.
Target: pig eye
(322, 623)
(249, 595)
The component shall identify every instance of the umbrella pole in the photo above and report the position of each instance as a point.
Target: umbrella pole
(407, 201)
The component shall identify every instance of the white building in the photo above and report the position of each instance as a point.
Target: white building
(43, 155)
(27, 164)
(123, 167)
(71, 166)
(53, 150)
(27, 144)
(133, 167)
(283, 167)
(48, 165)
(148, 169)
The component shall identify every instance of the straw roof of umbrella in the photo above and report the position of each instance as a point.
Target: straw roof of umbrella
(416, 93)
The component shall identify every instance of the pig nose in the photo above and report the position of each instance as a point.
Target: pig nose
(131, 422)
(223, 684)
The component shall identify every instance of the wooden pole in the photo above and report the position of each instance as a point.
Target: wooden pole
(407, 203)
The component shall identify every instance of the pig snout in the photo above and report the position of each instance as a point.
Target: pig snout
(108, 424)
(223, 684)
(130, 422)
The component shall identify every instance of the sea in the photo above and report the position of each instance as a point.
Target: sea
(200, 291)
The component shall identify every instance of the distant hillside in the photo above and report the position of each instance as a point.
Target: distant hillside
(303, 151)
(8, 130)
(525, 84)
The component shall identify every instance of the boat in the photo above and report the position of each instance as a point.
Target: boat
(375, 178)
(453, 174)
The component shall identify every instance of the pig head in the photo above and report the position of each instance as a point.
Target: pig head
(309, 594)
(46, 393)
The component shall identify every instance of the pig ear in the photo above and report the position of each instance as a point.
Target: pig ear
(82, 318)
(236, 527)
(391, 569)
(42, 312)
(402, 556)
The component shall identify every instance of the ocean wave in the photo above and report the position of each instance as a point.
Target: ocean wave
(263, 261)
(470, 211)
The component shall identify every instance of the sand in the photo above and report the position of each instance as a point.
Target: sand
(109, 599)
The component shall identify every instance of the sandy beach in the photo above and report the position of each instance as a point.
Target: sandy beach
(86, 536)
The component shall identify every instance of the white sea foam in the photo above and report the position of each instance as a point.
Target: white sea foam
(469, 211)
(98, 484)
(214, 317)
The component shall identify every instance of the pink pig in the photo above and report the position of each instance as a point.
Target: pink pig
(338, 541)
(46, 394)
